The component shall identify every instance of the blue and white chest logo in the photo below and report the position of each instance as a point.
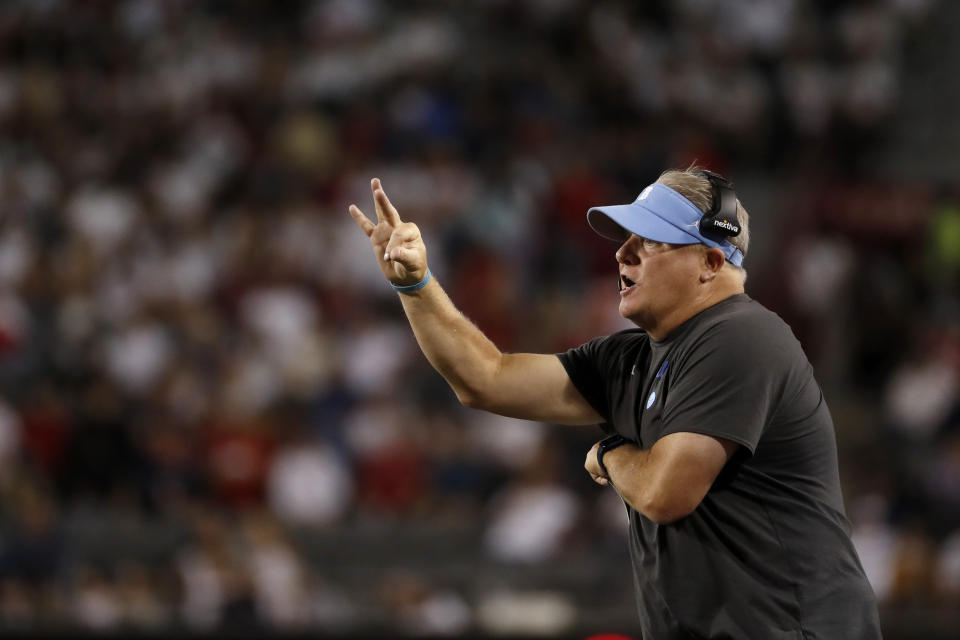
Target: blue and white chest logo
(653, 394)
(651, 399)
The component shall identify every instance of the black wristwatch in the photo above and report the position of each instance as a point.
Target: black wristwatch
(608, 443)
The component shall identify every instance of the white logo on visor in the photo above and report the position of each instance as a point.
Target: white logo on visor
(646, 192)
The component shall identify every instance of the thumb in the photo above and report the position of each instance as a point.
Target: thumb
(407, 252)
(408, 258)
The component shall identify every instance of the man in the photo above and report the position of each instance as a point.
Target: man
(721, 443)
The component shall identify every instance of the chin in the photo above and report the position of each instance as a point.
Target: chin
(633, 315)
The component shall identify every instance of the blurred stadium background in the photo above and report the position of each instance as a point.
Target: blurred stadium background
(213, 416)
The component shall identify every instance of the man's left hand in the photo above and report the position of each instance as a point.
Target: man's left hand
(592, 465)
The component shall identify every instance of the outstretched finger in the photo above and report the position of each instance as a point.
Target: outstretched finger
(385, 209)
(362, 221)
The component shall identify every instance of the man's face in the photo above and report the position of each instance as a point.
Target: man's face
(656, 279)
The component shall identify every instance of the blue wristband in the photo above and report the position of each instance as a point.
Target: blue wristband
(413, 287)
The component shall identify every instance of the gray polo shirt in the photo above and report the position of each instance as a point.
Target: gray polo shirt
(767, 553)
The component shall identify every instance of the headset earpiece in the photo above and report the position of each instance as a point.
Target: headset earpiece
(721, 221)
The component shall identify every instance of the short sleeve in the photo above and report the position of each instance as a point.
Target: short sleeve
(584, 365)
(728, 383)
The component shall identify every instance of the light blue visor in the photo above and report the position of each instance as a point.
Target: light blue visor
(659, 213)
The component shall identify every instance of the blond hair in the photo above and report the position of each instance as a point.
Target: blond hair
(693, 186)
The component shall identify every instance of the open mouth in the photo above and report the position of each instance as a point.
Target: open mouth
(625, 283)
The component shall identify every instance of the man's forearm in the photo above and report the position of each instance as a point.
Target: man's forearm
(529, 386)
(638, 478)
(455, 347)
(669, 480)
(631, 473)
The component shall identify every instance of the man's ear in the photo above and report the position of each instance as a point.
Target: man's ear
(713, 261)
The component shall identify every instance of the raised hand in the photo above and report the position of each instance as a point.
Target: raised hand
(397, 245)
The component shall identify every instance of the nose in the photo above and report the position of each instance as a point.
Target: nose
(625, 254)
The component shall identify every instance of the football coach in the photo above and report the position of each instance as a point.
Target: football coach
(720, 441)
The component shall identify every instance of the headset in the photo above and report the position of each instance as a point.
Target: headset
(721, 221)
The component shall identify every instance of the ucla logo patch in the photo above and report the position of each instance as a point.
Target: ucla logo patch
(651, 399)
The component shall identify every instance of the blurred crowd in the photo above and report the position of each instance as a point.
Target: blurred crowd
(203, 375)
